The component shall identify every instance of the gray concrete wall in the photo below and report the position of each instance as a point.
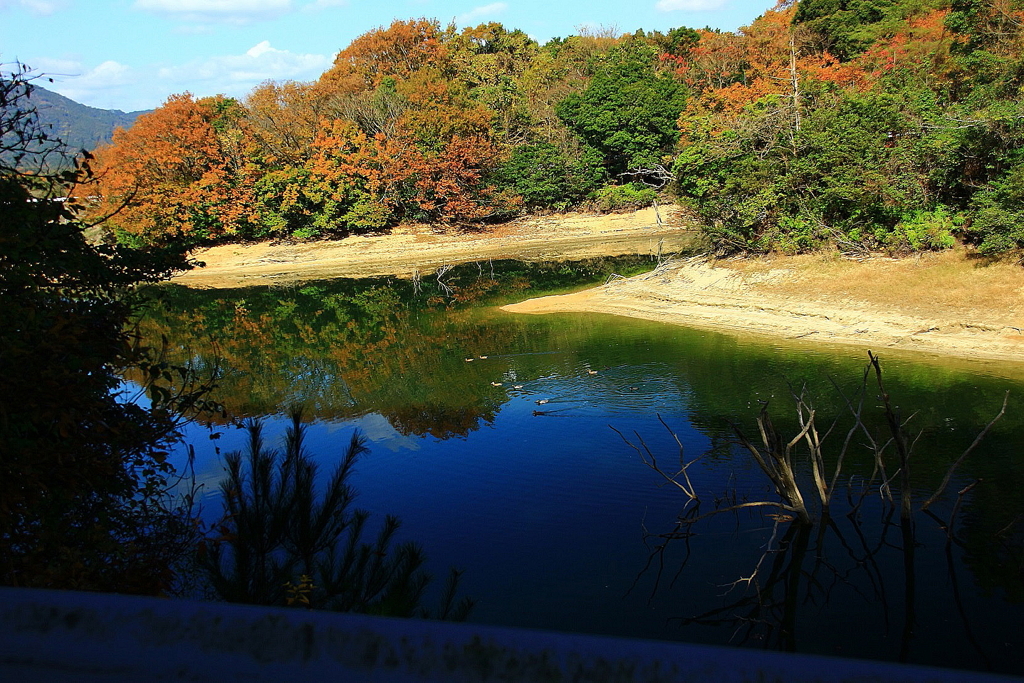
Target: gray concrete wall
(56, 636)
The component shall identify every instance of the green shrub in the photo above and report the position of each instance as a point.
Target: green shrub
(796, 234)
(547, 179)
(623, 197)
(998, 223)
(129, 239)
(307, 233)
(367, 215)
(921, 231)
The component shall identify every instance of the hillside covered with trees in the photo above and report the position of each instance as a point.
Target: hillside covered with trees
(892, 125)
(78, 126)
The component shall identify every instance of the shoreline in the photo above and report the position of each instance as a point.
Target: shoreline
(698, 293)
(954, 304)
(419, 249)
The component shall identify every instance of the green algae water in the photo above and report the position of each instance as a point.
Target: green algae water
(492, 437)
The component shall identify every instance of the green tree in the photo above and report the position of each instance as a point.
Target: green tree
(491, 61)
(855, 169)
(628, 112)
(846, 28)
(998, 223)
(546, 178)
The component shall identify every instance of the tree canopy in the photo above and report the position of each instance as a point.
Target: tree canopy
(853, 123)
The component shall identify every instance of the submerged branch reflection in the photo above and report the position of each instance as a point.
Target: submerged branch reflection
(846, 554)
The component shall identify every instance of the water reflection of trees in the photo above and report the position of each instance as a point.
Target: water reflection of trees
(813, 587)
(345, 348)
(437, 421)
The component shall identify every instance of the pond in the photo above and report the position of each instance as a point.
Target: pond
(491, 436)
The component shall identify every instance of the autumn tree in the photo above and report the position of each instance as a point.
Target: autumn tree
(171, 175)
(397, 51)
(284, 119)
(410, 140)
(714, 60)
(416, 121)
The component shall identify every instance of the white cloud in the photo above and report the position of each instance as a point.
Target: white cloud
(689, 5)
(318, 5)
(379, 432)
(42, 7)
(110, 73)
(482, 12)
(96, 87)
(237, 74)
(46, 66)
(230, 11)
(112, 85)
(194, 29)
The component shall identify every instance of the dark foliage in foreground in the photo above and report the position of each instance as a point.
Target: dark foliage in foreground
(82, 471)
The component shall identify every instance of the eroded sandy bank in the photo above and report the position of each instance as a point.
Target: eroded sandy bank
(422, 249)
(952, 304)
(939, 304)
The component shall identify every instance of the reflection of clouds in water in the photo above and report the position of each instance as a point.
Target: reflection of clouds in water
(323, 440)
(379, 432)
(203, 479)
(207, 470)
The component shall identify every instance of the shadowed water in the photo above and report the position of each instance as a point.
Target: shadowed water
(490, 437)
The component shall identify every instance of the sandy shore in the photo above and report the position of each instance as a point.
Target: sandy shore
(421, 249)
(779, 298)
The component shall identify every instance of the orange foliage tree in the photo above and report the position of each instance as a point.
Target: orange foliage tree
(407, 139)
(388, 178)
(171, 175)
(284, 119)
(398, 51)
(921, 46)
(772, 61)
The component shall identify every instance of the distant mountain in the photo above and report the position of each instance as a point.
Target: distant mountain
(79, 126)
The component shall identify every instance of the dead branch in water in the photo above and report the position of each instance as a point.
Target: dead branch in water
(956, 464)
(648, 458)
(774, 455)
(899, 438)
(777, 462)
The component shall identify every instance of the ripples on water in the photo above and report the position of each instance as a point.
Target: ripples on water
(554, 518)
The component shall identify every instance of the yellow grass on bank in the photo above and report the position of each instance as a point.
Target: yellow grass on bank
(934, 283)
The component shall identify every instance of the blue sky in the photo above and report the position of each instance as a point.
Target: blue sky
(133, 54)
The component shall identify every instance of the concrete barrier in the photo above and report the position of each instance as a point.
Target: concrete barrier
(58, 636)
